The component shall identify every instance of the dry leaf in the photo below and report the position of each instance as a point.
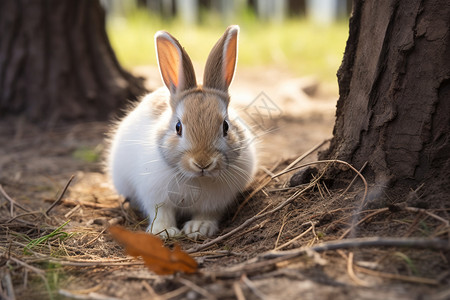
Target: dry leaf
(157, 258)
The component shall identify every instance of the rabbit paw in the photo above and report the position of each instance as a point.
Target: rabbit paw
(164, 232)
(197, 228)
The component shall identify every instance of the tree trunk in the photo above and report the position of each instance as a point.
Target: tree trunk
(394, 86)
(56, 62)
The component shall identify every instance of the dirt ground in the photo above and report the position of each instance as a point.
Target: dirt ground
(80, 260)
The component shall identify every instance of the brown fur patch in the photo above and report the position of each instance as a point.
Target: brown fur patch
(219, 69)
(202, 119)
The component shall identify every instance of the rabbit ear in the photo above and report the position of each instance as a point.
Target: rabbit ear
(175, 65)
(221, 63)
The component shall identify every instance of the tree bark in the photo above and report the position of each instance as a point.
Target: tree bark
(394, 86)
(56, 62)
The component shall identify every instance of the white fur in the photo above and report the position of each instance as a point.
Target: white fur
(139, 171)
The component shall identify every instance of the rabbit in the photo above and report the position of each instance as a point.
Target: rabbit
(182, 150)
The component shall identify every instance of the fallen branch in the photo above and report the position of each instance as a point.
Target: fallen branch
(268, 261)
(436, 244)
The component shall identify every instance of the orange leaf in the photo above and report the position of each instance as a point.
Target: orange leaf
(157, 258)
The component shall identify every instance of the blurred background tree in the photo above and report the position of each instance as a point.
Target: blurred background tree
(56, 61)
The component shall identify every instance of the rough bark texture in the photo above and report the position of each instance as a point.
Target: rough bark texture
(56, 62)
(394, 85)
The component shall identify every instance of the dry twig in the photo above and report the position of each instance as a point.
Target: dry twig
(60, 196)
(395, 207)
(280, 206)
(151, 291)
(348, 230)
(351, 272)
(72, 202)
(281, 229)
(252, 287)
(413, 279)
(90, 296)
(178, 292)
(36, 212)
(7, 282)
(12, 202)
(94, 263)
(354, 179)
(238, 291)
(266, 180)
(302, 157)
(422, 210)
(294, 239)
(72, 211)
(283, 204)
(196, 288)
(363, 202)
(29, 267)
(250, 221)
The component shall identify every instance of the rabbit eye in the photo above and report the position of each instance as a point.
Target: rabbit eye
(225, 128)
(179, 128)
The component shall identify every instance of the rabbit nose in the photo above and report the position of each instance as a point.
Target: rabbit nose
(202, 166)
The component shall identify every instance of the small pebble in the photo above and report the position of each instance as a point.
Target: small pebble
(303, 176)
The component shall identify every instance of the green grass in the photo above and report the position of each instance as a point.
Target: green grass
(87, 154)
(297, 45)
(408, 261)
(57, 233)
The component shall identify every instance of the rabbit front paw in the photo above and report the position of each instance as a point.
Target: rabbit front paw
(197, 228)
